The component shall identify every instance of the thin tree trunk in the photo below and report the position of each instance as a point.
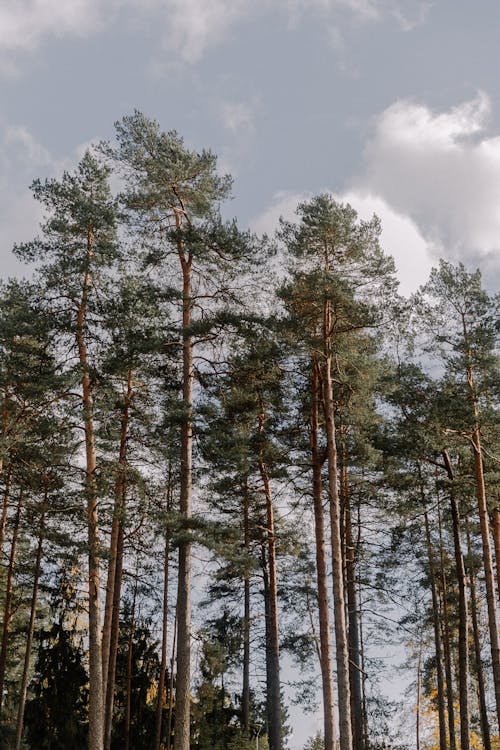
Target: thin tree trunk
(341, 642)
(96, 702)
(437, 639)
(363, 671)
(352, 613)
(272, 666)
(31, 626)
(171, 686)
(7, 612)
(115, 571)
(445, 622)
(183, 678)
(419, 691)
(488, 566)
(321, 570)
(485, 527)
(478, 662)
(130, 650)
(245, 694)
(163, 663)
(463, 636)
(115, 632)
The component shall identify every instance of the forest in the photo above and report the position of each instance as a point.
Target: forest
(241, 476)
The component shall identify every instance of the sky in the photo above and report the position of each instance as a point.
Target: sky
(391, 105)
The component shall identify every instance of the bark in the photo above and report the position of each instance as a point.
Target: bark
(31, 627)
(245, 693)
(419, 691)
(352, 613)
(478, 662)
(272, 650)
(115, 571)
(445, 622)
(96, 703)
(321, 570)
(437, 639)
(463, 635)
(273, 698)
(7, 612)
(163, 663)
(341, 642)
(183, 679)
(171, 687)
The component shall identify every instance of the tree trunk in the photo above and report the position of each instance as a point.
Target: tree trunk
(115, 633)
(7, 612)
(183, 678)
(488, 566)
(341, 643)
(437, 639)
(130, 653)
(96, 703)
(478, 663)
(321, 570)
(163, 663)
(352, 613)
(31, 626)
(419, 691)
(463, 635)
(5, 504)
(496, 539)
(115, 571)
(272, 650)
(171, 687)
(245, 693)
(445, 622)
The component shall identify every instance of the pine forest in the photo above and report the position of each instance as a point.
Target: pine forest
(243, 480)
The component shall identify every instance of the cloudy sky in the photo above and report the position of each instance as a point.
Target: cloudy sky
(390, 104)
(393, 105)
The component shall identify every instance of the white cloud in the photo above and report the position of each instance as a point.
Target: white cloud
(400, 238)
(442, 170)
(238, 117)
(22, 159)
(190, 26)
(25, 23)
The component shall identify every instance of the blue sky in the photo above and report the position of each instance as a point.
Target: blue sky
(393, 105)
